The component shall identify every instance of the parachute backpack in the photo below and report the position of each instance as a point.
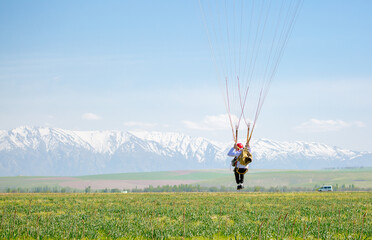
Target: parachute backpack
(245, 157)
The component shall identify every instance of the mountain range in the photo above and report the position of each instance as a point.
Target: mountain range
(41, 151)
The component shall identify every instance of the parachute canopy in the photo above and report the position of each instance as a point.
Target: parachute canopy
(247, 39)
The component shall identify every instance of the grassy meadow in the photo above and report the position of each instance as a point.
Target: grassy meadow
(335, 215)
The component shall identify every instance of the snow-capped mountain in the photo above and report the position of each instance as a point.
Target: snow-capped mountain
(53, 151)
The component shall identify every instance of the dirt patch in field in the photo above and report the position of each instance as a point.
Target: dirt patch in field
(123, 184)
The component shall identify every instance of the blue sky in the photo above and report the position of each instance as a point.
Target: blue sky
(146, 65)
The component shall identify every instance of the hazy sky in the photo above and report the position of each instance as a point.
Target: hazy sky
(146, 65)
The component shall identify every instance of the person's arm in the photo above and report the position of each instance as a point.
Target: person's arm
(233, 152)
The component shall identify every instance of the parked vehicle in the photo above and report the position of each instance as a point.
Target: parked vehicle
(326, 188)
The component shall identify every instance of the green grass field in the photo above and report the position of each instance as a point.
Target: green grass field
(360, 178)
(313, 215)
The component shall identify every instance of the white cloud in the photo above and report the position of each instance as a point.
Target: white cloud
(139, 124)
(211, 123)
(316, 125)
(90, 116)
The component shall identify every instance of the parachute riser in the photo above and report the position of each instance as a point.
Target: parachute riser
(248, 137)
(236, 136)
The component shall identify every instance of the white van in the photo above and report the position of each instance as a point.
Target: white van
(326, 188)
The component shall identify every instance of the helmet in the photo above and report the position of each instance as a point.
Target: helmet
(239, 145)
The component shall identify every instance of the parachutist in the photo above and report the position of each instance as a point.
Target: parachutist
(242, 157)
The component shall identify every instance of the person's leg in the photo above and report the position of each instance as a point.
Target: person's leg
(241, 172)
(237, 179)
(241, 178)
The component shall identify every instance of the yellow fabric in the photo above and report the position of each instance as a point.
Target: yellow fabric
(237, 170)
(245, 157)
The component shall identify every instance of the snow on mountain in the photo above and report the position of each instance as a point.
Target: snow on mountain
(303, 155)
(53, 151)
(272, 149)
(36, 138)
(188, 146)
(104, 141)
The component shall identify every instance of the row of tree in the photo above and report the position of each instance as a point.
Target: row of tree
(179, 188)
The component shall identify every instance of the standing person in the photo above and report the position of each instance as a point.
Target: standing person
(239, 169)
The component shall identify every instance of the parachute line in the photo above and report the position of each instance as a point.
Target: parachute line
(247, 39)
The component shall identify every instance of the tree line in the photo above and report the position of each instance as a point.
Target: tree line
(179, 188)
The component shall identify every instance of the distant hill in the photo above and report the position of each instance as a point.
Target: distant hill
(305, 179)
(36, 151)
